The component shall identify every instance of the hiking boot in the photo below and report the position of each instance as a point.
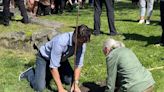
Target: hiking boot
(24, 75)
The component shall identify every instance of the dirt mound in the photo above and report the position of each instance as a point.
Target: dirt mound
(93, 87)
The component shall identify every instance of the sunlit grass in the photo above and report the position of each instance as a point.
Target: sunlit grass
(139, 38)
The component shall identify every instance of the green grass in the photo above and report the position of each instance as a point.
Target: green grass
(139, 38)
(18, 26)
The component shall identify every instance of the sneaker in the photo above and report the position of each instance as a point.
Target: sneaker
(141, 21)
(23, 74)
(159, 44)
(147, 22)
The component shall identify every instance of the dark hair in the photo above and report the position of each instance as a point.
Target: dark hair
(83, 32)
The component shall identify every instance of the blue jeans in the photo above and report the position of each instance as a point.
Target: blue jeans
(143, 8)
(40, 76)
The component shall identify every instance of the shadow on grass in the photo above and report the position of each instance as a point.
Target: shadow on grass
(127, 20)
(30, 64)
(92, 30)
(92, 87)
(153, 22)
(150, 40)
(51, 89)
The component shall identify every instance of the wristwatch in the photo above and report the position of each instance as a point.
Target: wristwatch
(76, 81)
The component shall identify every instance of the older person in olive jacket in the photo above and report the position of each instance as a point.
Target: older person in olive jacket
(125, 73)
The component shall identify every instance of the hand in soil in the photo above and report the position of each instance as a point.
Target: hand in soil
(63, 90)
(75, 88)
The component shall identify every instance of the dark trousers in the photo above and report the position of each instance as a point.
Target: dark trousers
(91, 2)
(40, 76)
(6, 10)
(162, 20)
(43, 9)
(60, 4)
(110, 14)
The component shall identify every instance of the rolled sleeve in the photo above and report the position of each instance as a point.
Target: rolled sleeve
(80, 56)
(56, 54)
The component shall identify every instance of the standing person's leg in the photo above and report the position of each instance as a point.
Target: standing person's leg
(162, 20)
(110, 13)
(91, 2)
(62, 6)
(37, 76)
(6, 12)
(82, 4)
(40, 9)
(57, 2)
(47, 10)
(30, 4)
(66, 72)
(23, 11)
(150, 4)
(97, 14)
(142, 5)
(35, 7)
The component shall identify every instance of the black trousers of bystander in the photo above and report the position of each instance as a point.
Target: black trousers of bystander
(162, 20)
(110, 15)
(6, 11)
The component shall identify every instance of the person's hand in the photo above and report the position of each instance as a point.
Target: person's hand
(62, 90)
(75, 88)
(52, 6)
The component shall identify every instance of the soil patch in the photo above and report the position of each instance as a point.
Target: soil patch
(93, 87)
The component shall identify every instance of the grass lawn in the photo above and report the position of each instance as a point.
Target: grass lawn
(139, 38)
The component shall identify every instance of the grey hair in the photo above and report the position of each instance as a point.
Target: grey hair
(112, 44)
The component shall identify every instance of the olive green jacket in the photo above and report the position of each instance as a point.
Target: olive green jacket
(126, 72)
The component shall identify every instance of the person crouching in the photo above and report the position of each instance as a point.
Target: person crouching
(125, 73)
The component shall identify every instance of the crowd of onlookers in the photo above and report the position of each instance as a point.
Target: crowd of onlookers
(35, 8)
(45, 7)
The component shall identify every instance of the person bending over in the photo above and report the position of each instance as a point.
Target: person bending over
(52, 59)
(125, 73)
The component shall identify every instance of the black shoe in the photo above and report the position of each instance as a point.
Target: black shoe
(159, 44)
(5, 23)
(96, 33)
(23, 75)
(25, 21)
